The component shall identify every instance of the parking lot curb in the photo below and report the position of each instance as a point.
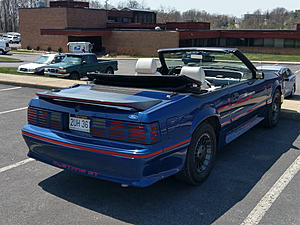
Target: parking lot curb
(37, 81)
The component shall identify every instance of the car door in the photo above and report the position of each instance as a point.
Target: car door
(288, 80)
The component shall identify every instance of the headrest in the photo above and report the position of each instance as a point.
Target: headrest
(196, 73)
(146, 66)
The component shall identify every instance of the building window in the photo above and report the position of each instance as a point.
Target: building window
(297, 43)
(289, 43)
(258, 42)
(268, 42)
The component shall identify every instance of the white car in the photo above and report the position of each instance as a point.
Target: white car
(288, 77)
(16, 36)
(39, 65)
(4, 47)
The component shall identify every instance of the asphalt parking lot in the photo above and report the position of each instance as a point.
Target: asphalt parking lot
(247, 169)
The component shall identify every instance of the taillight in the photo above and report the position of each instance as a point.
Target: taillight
(125, 131)
(136, 133)
(154, 133)
(98, 127)
(116, 130)
(32, 115)
(44, 118)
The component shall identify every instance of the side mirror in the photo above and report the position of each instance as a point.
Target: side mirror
(259, 75)
(83, 62)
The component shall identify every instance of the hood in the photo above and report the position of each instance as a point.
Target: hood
(60, 64)
(32, 66)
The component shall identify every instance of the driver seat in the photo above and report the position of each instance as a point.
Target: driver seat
(196, 73)
(146, 66)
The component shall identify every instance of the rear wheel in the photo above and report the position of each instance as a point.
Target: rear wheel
(2, 52)
(273, 110)
(74, 76)
(200, 156)
(109, 70)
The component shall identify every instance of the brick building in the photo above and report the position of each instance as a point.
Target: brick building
(135, 31)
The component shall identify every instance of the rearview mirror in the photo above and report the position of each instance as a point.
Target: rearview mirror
(259, 75)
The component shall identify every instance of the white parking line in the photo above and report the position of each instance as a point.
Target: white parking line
(3, 169)
(13, 110)
(266, 202)
(297, 71)
(9, 89)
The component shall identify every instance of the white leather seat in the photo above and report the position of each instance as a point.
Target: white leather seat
(196, 73)
(146, 66)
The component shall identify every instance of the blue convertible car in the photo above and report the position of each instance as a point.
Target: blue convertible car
(139, 129)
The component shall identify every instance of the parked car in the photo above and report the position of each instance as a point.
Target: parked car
(288, 77)
(77, 65)
(16, 37)
(139, 129)
(4, 47)
(40, 63)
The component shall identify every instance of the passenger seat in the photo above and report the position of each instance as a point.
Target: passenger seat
(146, 66)
(197, 73)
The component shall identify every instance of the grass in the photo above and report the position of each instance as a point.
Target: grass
(9, 70)
(7, 59)
(271, 57)
(23, 50)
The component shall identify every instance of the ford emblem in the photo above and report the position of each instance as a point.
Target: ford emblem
(133, 117)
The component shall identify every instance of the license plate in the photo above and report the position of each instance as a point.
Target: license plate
(79, 124)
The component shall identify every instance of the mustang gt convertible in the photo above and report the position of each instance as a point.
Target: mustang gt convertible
(138, 129)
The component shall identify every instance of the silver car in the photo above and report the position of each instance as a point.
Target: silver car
(289, 78)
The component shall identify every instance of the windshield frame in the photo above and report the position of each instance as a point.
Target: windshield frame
(234, 51)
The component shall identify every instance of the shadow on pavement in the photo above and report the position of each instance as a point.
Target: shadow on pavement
(238, 169)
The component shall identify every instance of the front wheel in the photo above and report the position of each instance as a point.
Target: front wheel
(74, 76)
(109, 70)
(200, 156)
(273, 110)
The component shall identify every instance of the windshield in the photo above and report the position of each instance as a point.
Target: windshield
(42, 59)
(72, 59)
(204, 59)
(208, 60)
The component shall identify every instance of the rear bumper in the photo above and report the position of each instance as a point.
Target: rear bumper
(138, 167)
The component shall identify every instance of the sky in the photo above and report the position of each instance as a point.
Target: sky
(228, 7)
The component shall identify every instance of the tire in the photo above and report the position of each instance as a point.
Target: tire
(273, 110)
(2, 52)
(200, 156)
(109, 70)
(74, 76)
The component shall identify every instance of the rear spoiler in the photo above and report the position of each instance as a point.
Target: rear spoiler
(119, 103)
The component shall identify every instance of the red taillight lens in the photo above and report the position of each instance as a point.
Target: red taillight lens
(116, 130)
(31, 115)
(136, 133)
(154, 133)
(125, 131)
(44, 118)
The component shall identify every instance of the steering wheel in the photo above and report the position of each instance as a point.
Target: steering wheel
(172, 71)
